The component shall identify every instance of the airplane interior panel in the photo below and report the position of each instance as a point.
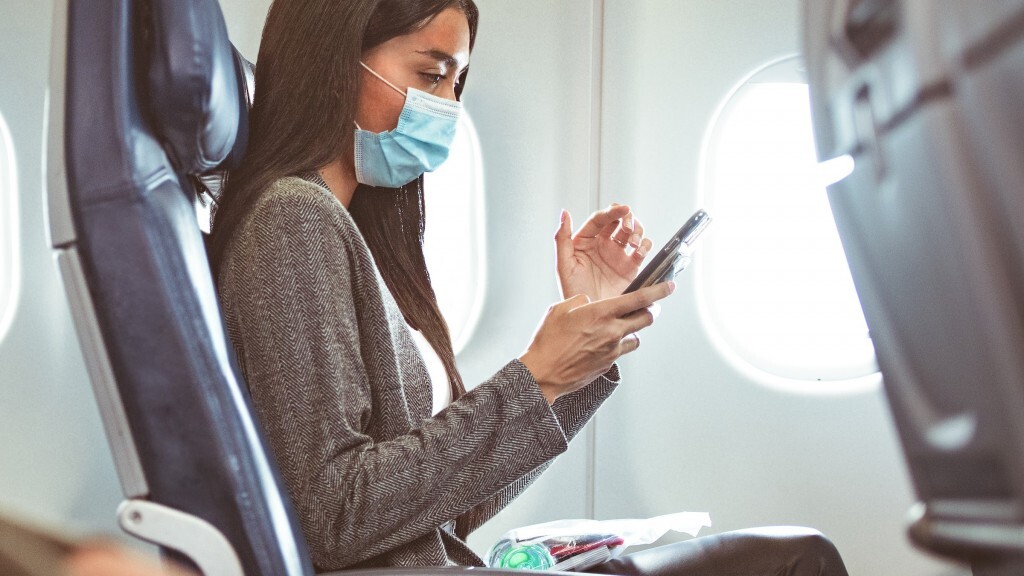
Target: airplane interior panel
(574, 105)
(59, 470)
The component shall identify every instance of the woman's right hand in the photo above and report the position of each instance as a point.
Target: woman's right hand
(579, 340)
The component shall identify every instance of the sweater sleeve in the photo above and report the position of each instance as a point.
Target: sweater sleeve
(293, 299)
(573, 412)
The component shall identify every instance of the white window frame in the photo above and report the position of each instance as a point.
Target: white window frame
(456, 229)
(10, 269)
(851, 372)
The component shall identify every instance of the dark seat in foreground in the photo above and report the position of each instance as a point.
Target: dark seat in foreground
(926, 96)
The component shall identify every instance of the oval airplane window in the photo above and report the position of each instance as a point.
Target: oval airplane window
(453, 242)
(9, 272)
(774, 284)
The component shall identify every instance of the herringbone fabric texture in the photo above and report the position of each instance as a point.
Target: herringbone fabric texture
(344, 398)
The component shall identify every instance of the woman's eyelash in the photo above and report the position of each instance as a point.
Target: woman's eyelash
(432, 78)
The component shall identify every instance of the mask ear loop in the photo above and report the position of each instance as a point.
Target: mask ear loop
(382, 79)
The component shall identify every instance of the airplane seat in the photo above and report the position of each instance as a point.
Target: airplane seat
(925, 96)
(152, 95)
(144, 97)
(208, 184)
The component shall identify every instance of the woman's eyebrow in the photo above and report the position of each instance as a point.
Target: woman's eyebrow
(440, 56)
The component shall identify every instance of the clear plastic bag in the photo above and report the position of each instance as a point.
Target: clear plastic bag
(574, 545)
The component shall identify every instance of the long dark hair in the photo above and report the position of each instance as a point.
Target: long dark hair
(307, 83)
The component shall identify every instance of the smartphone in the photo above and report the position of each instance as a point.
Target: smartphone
(674, 256)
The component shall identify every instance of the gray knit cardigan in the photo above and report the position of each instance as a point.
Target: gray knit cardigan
(342, 393)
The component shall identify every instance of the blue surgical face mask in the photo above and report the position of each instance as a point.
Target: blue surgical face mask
(419, 144)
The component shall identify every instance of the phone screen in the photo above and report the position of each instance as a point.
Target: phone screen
(674, 256)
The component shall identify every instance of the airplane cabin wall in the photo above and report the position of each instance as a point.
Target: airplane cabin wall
(578, 103)
(55, 466)
(693, 430)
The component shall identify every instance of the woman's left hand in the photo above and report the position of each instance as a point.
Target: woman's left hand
(603, 257)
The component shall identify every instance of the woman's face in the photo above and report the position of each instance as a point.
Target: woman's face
(430, 59)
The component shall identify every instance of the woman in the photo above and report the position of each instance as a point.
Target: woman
(317, 246)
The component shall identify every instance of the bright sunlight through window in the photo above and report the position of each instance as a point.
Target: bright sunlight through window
(453, 243)
(775, 285)
(8, 229)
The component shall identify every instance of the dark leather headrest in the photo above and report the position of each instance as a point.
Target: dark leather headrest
(195, 83)
(247, 89)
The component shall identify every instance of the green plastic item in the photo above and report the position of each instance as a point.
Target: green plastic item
(528, 557)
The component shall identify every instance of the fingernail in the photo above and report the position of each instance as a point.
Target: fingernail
(635, 239)
(641, 252)
(671, 286)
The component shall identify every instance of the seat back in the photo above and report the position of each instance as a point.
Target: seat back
(146, 95)
(925, 96)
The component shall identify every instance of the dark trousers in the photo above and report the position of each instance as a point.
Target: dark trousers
(773, 551)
